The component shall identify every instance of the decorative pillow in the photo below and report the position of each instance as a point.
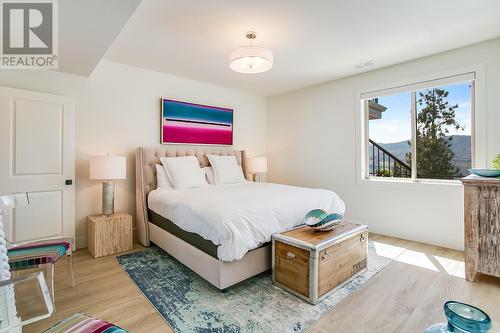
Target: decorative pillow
(184, 172)
(209, 173)
(226, 169)
(162, 180)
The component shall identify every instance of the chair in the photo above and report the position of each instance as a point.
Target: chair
(11, 298)
(33, 255)
(42, 254)
(15, 307)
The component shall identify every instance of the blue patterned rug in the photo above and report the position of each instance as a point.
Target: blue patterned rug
(190, 304)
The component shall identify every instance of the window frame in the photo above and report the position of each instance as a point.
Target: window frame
(470, 76)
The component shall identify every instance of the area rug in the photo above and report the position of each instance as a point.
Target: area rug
(190, 304)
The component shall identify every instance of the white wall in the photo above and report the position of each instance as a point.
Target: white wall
(312, 142)
(118, 109)
(311, 139)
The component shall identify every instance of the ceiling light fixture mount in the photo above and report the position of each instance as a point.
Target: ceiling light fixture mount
(251, 35)
(251, 59)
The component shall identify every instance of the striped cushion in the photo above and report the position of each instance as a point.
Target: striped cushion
(37, 253)
(80, 323)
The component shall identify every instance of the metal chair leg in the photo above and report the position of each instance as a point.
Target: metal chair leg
(69, 265)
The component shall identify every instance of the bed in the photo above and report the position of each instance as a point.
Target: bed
(221, 232)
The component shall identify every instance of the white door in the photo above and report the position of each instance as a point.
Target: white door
(37, 155)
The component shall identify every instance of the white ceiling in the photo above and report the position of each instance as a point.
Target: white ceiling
(87, 29)
(312, 41)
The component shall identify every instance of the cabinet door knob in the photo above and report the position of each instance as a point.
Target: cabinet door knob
(68, 181)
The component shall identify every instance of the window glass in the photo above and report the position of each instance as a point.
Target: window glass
(443, 132)
(389, 132)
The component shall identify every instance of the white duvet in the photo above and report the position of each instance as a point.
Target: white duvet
(240, 217)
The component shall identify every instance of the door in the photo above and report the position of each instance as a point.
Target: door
(37, 155)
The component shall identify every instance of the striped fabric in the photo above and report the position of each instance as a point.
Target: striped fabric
(36, 253)
(80, 323)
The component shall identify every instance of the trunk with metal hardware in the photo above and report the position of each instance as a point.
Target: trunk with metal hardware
(312, 264)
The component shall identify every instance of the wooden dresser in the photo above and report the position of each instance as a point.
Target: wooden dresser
(482, 226)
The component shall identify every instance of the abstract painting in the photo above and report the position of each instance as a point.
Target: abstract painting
(190, 123)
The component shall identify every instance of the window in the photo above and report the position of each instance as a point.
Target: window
(421, 131)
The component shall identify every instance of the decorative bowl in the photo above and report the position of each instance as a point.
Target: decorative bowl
(321, 220)
(486, 172)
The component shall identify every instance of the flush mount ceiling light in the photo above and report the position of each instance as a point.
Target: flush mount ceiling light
(251, 59)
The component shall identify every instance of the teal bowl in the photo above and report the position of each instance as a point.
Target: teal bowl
(322, 221)
(486, 172)
(462, 318)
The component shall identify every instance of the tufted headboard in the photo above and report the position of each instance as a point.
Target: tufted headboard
(145, 176)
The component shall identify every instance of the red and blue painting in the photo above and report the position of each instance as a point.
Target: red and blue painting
(190, 123)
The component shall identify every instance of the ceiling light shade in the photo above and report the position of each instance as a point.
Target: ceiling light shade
(251, 59)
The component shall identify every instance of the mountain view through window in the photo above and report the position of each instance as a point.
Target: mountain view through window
(443, 129)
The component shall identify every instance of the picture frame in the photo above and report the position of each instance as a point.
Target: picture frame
(195, 124)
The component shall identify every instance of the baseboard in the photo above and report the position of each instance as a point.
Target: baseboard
(405, 236)
(81, 242)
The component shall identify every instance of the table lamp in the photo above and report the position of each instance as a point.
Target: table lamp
(257, 166)
(108, 168)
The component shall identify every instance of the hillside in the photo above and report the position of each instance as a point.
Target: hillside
(460, 145)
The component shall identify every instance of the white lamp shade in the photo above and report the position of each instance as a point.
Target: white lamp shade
(251, 59)
(108, 167)
(257, 164)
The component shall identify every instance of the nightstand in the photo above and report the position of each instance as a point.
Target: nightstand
(109, 234)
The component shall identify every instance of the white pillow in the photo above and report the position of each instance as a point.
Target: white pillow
(184, 172)
(209, 173)
(162, 180)
(226, 169)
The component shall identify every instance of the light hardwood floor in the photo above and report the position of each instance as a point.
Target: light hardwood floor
(406, 296)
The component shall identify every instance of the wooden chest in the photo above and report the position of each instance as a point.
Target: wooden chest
(312, 264)
(482, 226)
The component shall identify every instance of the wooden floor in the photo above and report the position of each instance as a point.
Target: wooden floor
(407, 296)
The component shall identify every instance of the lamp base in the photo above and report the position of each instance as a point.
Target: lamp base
(108, 198)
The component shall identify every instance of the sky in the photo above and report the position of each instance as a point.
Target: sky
(395, 125)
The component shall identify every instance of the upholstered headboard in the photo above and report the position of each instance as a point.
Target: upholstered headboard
(145, 176)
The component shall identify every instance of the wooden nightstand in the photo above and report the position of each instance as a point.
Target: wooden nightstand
(109, 234)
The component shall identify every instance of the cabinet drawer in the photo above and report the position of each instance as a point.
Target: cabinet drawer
(292, 267)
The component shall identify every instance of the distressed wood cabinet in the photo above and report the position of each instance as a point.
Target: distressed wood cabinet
(482, 226)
